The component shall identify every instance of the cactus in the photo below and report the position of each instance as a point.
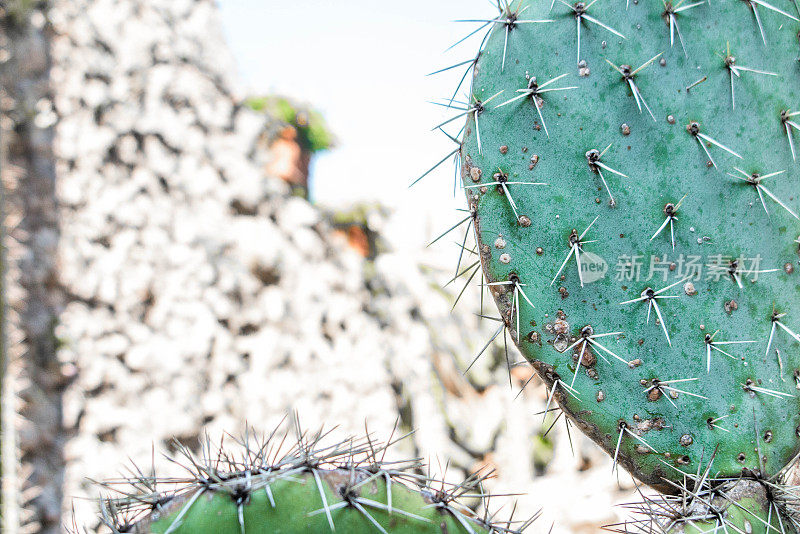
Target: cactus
(632, 180)
(313, 487)
(705, 506)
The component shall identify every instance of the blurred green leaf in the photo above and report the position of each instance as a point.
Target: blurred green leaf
(312, 131)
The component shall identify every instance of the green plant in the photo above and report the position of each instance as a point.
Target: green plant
(315, 486)
(611, 150)
(312, 131)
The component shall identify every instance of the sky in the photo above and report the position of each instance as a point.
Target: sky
(364, 65)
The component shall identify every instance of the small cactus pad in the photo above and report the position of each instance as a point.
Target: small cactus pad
(706, 505)
(633, 173)
(312, 488)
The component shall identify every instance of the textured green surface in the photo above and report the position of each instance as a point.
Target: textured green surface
(664, 163)
(751, 517)
(300, 509)
(279, 485)
(705, 504)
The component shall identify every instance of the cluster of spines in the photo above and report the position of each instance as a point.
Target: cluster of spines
(136, 499)
(702, 503)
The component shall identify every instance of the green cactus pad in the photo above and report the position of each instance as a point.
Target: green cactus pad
(314, 487)
(651, 173)
(708, 505)
(354, 506)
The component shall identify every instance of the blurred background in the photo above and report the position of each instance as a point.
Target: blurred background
(208, 224)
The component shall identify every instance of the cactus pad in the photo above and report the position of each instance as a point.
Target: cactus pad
(314, 487)
(706, 505)
(631, 171)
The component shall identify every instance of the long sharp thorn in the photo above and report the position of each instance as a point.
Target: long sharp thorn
(369, 517)
(776, 199)
(663, 324)
(791, 142)
(789, 331)
(588, 228)
(552, 425)
(635, 94)
(450, 67)
(515, 304)
(609, 169)
(477, 269)
(605, 184)
(775, 9)
(465, 219)
(571, 252)
(771, 337)
(510, 200)
(672, 231)
(639, 439)
(601, 347)
(661, 228)
(660, 291)
(524, 94)
(324, 500)
(525, 296)
(755, 71)
(434, 167)
(761, 198)
(478, 134)
(645, 105)
(571, 448)
(541, 117)
(563, 2)
(647, 63)
(671, 30)
(685, 392)
(680, 38)
(505, 48)
(578, 366)
(549, 399)
(616, 451)
(717, 143)
(486, 23)
(758, 22)
(508, 362)
(608, 28)
(451, 119)
(614, 66)
(497, 333)
(700, 141)
(176, 523)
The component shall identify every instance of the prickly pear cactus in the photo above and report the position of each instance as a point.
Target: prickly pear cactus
(631, 172)
(706, 505)
(312, 488)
